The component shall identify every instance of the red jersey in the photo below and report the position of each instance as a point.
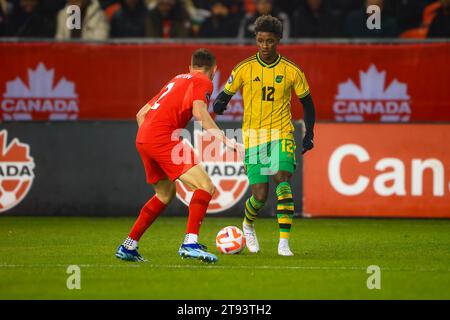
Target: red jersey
(171, 109)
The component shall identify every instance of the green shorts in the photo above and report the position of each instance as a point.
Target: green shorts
(267, 159)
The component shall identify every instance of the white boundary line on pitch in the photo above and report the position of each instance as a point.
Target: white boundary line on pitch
(212, 267)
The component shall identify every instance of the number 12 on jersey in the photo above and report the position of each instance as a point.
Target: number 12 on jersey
(268, 93)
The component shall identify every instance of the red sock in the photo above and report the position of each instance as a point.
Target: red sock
(197, 210)
(148, 215)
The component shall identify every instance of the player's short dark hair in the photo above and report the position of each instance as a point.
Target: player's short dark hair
(268, 23)
(203, 58)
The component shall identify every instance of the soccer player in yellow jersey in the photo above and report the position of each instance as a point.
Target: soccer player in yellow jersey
(267, 80)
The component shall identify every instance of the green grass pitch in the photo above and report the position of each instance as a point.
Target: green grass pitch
(331, 260)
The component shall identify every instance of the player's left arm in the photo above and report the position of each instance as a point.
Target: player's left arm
(302, 90)
(309, 115)
(140, 116)
(221, 102)
(201, 114)
(201, 96)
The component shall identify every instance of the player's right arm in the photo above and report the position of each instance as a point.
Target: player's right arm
(140, 116)
(233, 85)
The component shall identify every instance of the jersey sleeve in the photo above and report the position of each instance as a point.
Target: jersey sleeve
(301, 86)
(234, 82)
(202, 90)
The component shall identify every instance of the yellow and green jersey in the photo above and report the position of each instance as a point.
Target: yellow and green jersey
(266, 91)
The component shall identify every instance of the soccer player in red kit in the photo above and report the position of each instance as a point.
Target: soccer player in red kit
(184, 97)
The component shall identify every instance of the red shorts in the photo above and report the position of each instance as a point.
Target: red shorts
(166, 160)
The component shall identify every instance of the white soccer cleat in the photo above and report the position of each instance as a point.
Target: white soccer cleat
(284, 250)
(250, 238)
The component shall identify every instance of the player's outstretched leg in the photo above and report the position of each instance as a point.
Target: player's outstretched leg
(197, 179)
(285, 214)
(252, 206)
(165, 191)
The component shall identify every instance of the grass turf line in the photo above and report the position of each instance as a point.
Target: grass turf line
(331, 259)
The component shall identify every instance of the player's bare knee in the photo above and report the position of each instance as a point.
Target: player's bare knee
(260, 196)
(281, 177)
(210, 188)
(167, 196)
(279, 180)
(207, 186)
(163, 198)
(172, 192)
(260, 192)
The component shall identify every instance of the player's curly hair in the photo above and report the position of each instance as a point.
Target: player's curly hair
(269, 23)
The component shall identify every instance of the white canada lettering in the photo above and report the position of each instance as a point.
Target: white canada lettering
(389, 178)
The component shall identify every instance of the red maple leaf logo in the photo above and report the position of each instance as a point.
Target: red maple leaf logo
(15, 152)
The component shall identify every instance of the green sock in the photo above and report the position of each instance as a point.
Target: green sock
(285, 209)
(252, 207)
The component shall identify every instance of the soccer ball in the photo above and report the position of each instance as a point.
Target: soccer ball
(230, 240)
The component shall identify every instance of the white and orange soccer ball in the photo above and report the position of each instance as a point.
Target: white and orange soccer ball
(230, 240)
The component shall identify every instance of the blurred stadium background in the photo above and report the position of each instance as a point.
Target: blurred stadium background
(68, 101)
